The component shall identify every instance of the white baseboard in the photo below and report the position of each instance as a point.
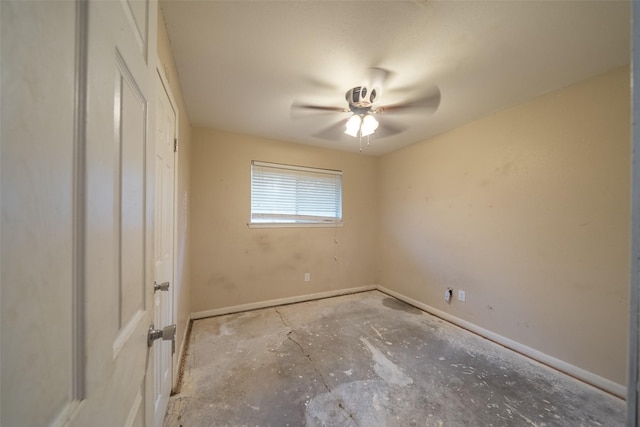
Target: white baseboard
(560, 365)
(277, 302)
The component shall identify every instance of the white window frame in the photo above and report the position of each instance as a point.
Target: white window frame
(258, 220)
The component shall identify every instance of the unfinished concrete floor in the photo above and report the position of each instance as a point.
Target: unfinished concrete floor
(369, 360)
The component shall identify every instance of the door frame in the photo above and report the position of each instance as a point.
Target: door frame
(175, 358)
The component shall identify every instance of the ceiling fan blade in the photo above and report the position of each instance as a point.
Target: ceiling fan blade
(387, 128)
(319, 108)
(299, 110)
(333, 132)
(428, 104)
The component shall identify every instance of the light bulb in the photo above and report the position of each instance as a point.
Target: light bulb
(353, 125)
(369, 125)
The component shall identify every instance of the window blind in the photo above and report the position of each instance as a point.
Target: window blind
(294, 194)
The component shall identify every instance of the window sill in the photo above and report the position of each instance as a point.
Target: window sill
(294, 225)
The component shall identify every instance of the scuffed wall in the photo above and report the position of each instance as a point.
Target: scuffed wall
(233, 264)
(528, 211)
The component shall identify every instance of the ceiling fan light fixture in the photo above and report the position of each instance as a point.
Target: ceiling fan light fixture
(358, 125)
(353, 125)
(362, 121)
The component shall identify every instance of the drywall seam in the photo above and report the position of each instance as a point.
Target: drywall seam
(280, 301)
(602, 383)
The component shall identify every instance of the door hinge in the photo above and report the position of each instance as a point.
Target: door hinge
(175, 145)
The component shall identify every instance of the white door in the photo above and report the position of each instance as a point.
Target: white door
(38, 233)
(78, 113)
(163, 246)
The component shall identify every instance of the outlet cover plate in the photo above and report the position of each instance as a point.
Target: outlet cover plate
(461, 296)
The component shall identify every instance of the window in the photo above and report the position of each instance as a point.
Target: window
(285, 195)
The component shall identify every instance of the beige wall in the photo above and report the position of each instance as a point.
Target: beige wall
(233, 264)
(182, 285)
(528, 211)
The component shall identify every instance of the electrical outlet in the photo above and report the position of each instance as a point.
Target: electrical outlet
(461, 296)
(307, 277)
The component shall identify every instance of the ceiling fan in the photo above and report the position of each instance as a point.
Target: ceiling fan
(366, 117)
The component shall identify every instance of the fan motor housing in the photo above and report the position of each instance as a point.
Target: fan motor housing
(361, 96)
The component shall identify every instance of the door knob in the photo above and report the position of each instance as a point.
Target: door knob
(168, 333)
(164, 286)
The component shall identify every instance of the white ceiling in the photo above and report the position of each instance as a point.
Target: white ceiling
(242, 64)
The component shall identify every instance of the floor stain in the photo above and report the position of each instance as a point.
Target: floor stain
(396, 304)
